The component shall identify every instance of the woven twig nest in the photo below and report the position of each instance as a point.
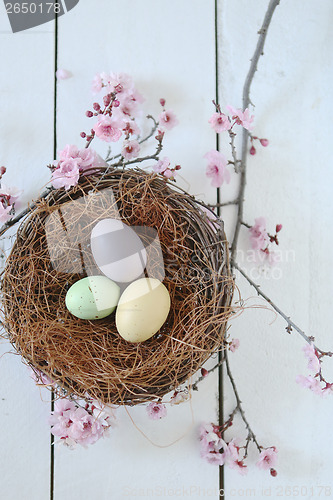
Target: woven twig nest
(89, 358)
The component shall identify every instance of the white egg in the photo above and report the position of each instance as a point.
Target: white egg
(142, 309)
(118, 251)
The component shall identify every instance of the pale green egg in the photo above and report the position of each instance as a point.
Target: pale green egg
(94, 297)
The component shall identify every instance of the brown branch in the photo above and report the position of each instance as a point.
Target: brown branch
(151, 133)
(194, 386)
(250, 434)
(290, 323)
(246, 101)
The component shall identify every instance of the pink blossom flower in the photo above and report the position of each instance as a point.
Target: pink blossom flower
(258, 235)
(234, 344)
(87, 158)
(239, 466)
(128, 106)
(242, 117)
(161, 165)
(311, 355)
(11, 193)
(40, 377)
(130, 149)
(5, 214)
(211, 444)
(121, 82)
(309, 382)
(231, 451)
(66, 175)
(167, 120)
(169, 174)
(84, 428)
(108, 129)
(156, 410)
(97, 84)
(75, 425)
(179, 397)
(131, 128)
(328, 389)
(136, 96)
(63, 74)
(105, 414)
(267, 459)
(220, 122)
(69, 151)
(60, 418)
(216, 168)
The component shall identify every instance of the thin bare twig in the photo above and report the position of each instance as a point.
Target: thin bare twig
(148, 136)
(194, 386)
(290, 323)
(250, 436)
(246, 101)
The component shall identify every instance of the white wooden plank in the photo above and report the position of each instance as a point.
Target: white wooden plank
(289, 183)
(26, 130)
(168, 47)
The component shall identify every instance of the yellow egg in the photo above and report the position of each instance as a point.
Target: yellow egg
(142, 309)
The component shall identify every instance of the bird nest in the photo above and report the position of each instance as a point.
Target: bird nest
(52, 251)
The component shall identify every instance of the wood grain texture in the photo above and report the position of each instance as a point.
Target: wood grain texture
(288, 183)
(168, 48)
(26, 131)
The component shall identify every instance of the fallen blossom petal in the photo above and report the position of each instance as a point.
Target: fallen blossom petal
(63, 74)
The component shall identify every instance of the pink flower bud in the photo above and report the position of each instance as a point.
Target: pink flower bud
(83, 134)
(178, 167)
(253, 150)
(273, 472)
(204, 372)
(162, 102)
(107, 99)
(116, 103)
(89, 114)
(264, 142)
(278, 228)
(96, 106)
(2, 170)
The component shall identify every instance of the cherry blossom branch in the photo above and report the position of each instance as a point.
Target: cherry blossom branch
(151, 133)
(290, 324)
(204, 374)
(239, 409)
(246, 101)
